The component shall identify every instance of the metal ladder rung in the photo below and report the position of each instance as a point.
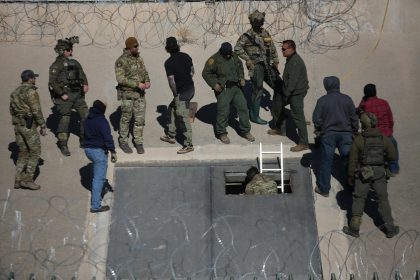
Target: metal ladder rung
(271, 169)
(280, 152)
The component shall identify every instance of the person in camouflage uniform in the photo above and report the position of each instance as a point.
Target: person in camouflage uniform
(224, 73)
(257, 49)
(366, 171)
(68, 85)
(26, 117)
(133, 80)
(259, 183)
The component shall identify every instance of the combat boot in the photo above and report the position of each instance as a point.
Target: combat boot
(63, 148)
(125, 148)
(275, 131)
(140, 149)
(353, 228)
(30, 185)
(299, 148)
(224, 138)
(17, 184)
(248, 136)
(392, 231)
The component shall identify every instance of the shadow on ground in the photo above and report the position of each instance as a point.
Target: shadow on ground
(86, 176)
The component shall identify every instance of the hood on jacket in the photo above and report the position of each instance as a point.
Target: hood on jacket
(94, 112)
(331, 83)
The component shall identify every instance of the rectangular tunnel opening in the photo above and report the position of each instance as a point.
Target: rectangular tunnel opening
(235, 182)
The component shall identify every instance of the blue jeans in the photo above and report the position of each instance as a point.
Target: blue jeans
(343, 142)
(100, 164)
(394, 166)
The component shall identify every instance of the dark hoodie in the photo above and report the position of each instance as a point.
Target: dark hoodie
(335, 111)
(98, 131)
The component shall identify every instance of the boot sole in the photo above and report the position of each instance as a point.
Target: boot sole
(347, 231)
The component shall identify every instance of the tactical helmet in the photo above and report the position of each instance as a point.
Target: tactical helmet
(256, 16)
(368, 120)
(66, 44)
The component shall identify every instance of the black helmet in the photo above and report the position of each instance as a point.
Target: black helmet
(66, 44)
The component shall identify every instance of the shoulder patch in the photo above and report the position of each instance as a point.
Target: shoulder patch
(210, 61)
(53, 70)
(119, 64)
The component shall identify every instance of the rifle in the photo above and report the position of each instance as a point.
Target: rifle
(273, 74)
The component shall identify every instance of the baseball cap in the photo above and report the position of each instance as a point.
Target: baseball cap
(28, 74)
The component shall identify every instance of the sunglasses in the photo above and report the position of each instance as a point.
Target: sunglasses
(283, 49)
(136, 46)
(68, 50)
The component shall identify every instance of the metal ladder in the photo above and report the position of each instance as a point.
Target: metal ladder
(262, 169)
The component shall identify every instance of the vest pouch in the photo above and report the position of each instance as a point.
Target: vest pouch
(366, 172)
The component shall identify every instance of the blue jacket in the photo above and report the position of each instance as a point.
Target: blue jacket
(335, 112)
(97, 131)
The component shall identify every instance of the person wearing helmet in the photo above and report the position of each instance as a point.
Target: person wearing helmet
(366, 170)
(68, 85)
(257, 49)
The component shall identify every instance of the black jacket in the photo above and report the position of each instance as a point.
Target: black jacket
(97, 131)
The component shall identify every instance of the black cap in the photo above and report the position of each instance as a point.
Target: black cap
(171, 43)
(225, 49)
(98, 104)
(28, 74)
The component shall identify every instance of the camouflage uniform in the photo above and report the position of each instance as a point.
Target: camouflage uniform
(26, 117)
(67, 77)
(261, 184)
(220, 70)
(130, 71)
(256, 47)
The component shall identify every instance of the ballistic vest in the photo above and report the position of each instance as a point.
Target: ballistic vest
(373, 151)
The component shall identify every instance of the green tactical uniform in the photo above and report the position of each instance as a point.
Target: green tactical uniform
(227, 73)
(295, 88)
(26, 117)
(256, 46)
(67, 77)
(261, 184)
(371, 150)
(130, 71)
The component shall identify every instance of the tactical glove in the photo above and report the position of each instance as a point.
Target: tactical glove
(242, 82)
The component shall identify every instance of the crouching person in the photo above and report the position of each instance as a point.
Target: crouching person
(98, 142)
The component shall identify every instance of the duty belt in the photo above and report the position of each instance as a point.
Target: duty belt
(231, 84)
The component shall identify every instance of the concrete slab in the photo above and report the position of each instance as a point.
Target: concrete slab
(176, 221)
